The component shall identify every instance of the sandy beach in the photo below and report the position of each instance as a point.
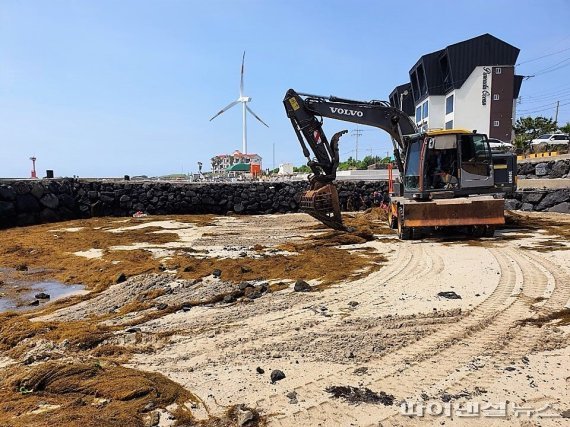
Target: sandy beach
(436, 324)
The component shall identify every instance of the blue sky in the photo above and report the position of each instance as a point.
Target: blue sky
(107, 88)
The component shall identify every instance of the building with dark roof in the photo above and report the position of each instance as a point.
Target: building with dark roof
(471, 84)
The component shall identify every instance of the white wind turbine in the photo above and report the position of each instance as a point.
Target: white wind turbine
(244, 100)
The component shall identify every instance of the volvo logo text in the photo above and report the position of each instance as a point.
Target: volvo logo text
(346, 112)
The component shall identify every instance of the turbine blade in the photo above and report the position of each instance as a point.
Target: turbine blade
(241, 80)
(225, 109)
(256, 116)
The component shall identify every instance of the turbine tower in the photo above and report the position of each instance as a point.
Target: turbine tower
(244, 100)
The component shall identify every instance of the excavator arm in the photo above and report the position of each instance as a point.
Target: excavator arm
(306, 112)
(303, 110)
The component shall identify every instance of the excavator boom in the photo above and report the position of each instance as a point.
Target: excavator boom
(321, 201)
(303, 110)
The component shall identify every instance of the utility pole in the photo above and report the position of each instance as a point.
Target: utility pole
(357, 132)
(556, 115)
(273, 155)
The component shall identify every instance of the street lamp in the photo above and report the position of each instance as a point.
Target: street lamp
(404, 93)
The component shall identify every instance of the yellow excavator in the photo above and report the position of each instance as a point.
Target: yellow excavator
(447, 178)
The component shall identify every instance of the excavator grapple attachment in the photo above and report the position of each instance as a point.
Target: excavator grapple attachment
(323, 205)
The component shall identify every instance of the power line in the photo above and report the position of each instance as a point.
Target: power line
(548, 94)
(554, 67)
(543, 105)
(543, 56)
(551, 106)
(545, 100)
(538, 107)
(526, 101)
(358, 133)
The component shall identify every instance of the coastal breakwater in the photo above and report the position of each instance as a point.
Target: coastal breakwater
(28, 202)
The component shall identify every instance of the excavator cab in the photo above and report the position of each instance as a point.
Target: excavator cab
(453, 162)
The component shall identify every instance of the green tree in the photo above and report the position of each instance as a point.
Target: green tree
(565, 128)
(368, 161)
(350, 163)
(302, 169)
(528, 128)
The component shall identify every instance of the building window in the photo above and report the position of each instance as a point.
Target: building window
(444, 64)
(425, 110)
(496, 97)
(415, 91)
(498, 70)
(418, 114)
(449, 105)
(422, 80)
(496, 123)
(449, 124)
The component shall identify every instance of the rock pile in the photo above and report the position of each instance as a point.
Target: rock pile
(549, 169)
(540, 200)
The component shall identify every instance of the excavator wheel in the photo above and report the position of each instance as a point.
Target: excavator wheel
(418, 233)
(404, 233)
(477, 230)
(489, 231)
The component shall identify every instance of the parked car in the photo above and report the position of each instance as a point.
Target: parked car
(551, 139)
(497, 145)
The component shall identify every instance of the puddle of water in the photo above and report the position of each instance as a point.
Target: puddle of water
(18, 296)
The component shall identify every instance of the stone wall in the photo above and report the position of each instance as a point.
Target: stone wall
(540, 200)
(546, 169)
(31, 202)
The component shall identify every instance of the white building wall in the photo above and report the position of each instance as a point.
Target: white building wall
(472, 107)
(436, 112)
(285, 169)
(449, 117)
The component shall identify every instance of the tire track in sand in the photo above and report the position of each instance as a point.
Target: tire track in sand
(406, 372)
(504, 340)
(522, 340)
